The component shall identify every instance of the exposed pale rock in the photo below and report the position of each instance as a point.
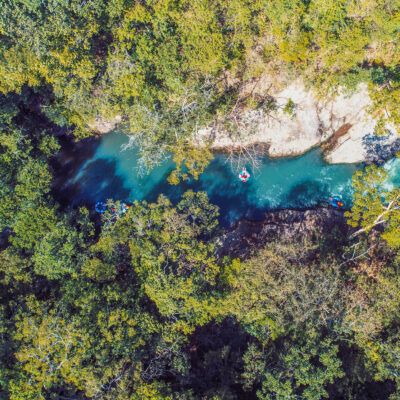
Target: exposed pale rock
(314, 121)
(102, 126)
(360, 144)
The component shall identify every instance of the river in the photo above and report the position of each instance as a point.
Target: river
(297, 183)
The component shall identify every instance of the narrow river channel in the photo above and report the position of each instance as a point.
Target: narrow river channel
(296, 183)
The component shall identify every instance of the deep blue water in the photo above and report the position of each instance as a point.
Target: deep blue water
(296, 183)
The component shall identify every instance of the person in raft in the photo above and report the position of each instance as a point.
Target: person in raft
(336, 201)
(244, 175)
(100, 207)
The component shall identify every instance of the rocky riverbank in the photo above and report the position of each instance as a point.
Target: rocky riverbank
(302, 120)
(297, 120)
(101, 126)
(246, 235)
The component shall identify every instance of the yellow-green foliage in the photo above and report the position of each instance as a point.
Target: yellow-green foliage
(100, 57)
(374, 204)
(107, 58)
(51, 350)
(141, 306)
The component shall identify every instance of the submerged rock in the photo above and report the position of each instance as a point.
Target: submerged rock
(247, 235)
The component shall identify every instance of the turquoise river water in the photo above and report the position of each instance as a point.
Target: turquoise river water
(296, 183)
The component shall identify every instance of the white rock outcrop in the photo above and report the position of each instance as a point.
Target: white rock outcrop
(343, 119)
(102, 126)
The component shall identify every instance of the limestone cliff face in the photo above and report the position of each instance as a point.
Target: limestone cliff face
(343, 121)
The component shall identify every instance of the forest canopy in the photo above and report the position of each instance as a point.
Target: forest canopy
(169, 68)
(143, 306)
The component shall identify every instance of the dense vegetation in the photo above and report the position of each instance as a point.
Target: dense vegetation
(142, 306)
(171, 67)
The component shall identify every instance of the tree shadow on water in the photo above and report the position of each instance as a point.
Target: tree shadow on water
(97, 181)
(234, 198)
(71, 157)
(306, 194)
